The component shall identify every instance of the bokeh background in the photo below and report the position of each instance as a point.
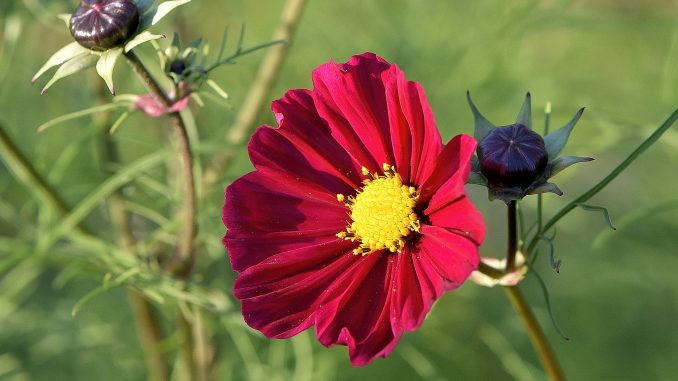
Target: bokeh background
(616, 296)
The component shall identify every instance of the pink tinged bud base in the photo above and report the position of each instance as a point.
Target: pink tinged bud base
(152, 107)
(283, 218)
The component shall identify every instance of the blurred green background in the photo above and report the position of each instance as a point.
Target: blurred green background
(616, 296)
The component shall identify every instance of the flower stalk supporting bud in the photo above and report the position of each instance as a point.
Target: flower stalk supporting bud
(512, 237)
(183, 265)
(539, 340)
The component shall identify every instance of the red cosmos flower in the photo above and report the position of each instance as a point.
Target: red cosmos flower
(355, 219)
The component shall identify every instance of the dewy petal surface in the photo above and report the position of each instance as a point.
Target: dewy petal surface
(283, 218)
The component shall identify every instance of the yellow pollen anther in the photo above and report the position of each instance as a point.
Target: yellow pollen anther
(382, 212)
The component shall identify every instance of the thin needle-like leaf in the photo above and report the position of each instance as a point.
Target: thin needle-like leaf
(549, 308)
(601, 209)
(118, 122)
(88, 203)
(222, 46)
(647, 143)
(217, 89)
(78, 114)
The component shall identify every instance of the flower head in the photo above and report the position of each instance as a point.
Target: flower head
(103, 30)
(514, 161)
(356, 219)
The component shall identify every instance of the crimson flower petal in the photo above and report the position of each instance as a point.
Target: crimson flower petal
(415, 137)
(303, 147)
(356, 310)
(446, 182)
(257, 206)
(452, 255)
(280, 295)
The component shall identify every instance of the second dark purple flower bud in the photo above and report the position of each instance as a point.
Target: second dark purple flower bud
(512, 156)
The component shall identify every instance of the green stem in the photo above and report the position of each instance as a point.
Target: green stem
(512, 238)
(604, 182)
(27, 174)
(187, 347)
(186, 252)
(186, 258)
(539, 340)
(149, 334)
(35, 183)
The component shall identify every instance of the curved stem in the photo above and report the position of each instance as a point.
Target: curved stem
(539, 340)
(27, 174)
(149, 334)
(184, 266)
(186, 255)
(512, 237)
(186, 252)
(150, 82)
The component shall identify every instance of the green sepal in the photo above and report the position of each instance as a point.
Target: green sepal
(217, 89)
(556, 140)
(505, 194)
(62, 55)
(154, 15)
(475, 164)
(144, 5)
(140, 38)
(106, 64)
(79, 63)
(476, 178)
(65, 17)
(545, 188)
(563, 162)
(482, 126)
(525, 114)
(192, 48)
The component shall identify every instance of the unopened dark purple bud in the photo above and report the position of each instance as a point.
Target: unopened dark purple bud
(177, 67)
(104, 24)
(512, 156)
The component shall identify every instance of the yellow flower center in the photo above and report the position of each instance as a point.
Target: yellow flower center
(382, 212)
